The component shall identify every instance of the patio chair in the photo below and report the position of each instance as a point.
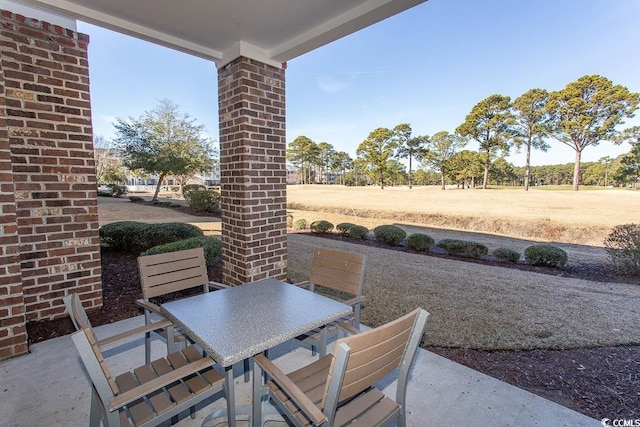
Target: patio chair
(147, 395)
(342, 275)
(339, 389)
(164, 274)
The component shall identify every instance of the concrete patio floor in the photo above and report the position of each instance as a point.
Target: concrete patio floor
(49, 387)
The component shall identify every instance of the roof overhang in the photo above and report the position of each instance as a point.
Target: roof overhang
(271, 31)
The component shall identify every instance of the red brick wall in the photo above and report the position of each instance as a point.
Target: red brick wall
(13, 334)
(251, 98)
(48, 114)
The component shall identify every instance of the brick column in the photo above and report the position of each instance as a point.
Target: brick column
(13, 333)
(48, 121)
(251, 98)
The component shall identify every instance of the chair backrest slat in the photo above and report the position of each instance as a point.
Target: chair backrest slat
(376, 353)
(171, 272)
(338, 270)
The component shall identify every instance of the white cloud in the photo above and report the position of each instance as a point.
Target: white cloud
(333, 84)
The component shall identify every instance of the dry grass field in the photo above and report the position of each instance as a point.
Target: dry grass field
(583, 217)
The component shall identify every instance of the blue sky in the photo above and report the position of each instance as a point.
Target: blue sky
(427, 67)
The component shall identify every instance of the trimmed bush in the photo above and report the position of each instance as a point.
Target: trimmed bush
(212, 247)
(204, 201)
(623, 247)
(135, 237)
(300, 224)
(190, 188)
(167, 232)
(452, 246)
(135, 199)
(117, 190)
(463, 247)
(545, 255)
(102, 193)
(358, 232)
(389, 234)
(125, 236)
(321, 227)
(419, 241)
(343, 228)
(506, 254)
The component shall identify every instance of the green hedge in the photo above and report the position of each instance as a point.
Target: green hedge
(358, 232)
(212, 247)
(506, 254)
(463, 247)
(343, 228)
(545, 255)
(389, 234)
(135, 237)
(321, 227)
(300, 224)
(419, 241)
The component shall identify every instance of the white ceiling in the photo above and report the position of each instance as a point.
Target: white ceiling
(272, 31)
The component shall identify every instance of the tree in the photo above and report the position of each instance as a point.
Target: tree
(325, 152)
(409, 147)
(440, 148)
(629, 172)
(303, 152)
(341, 162)
(531, 125)
(465, 166)
(586, 112)
(164, 141)
(109, 169)
(376, 150)
(489, 123)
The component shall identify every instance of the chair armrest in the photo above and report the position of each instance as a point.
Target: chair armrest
(356, 300)
(149, 306)
(133, 332)
(144, 389)
(346, 327)
(292, 390)
(217, 285)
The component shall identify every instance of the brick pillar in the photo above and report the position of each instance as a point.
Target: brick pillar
(251, 98)
(13, 333)
(48, 119)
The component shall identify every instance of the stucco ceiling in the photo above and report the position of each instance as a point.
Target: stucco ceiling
(273, 31)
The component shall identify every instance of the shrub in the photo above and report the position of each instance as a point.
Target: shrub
(343, 228)
(300, 224)
(623, 247)
(419, 241)
(190, 188)
(452, 246)
(389, 234)
(126, 236)
(545, 255)
(174, 188)
(321, 227)
(463, 247)
(167, 232)
(289, 220)
(212, 247)
(135, 199)
(358, 232)
(204, 201)
(117, 190)
(135, 237)
(506, 254)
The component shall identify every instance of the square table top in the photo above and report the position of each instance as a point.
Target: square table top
(237, 323)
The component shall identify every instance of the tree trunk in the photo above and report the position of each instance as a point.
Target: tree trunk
(160, 179)
(527, 172)
(382, 180)
(576, 171)
(410, 171)
(442, 179)
(486, 171)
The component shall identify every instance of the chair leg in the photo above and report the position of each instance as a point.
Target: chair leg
(95, 414)
(147, 348)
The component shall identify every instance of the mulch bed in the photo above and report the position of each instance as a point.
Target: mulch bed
(599, 382)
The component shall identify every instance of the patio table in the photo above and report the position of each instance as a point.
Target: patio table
(233, 324)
